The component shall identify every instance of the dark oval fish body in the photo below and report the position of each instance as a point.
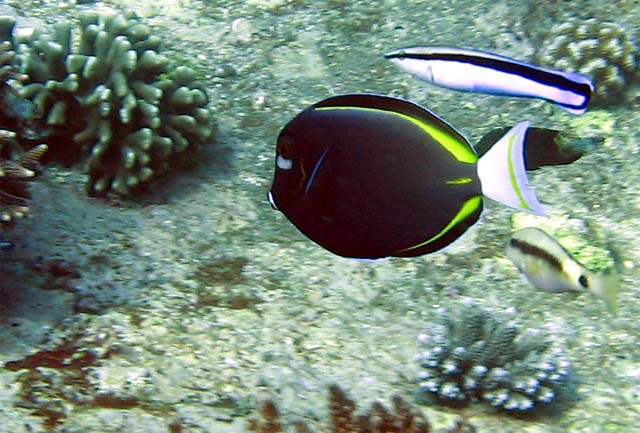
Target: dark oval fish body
(370, 176)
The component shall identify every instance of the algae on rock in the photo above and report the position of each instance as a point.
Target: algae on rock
(111, 99)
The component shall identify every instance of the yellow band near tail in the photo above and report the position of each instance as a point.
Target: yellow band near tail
(468, 208)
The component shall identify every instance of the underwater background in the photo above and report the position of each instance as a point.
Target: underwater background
(180, 307)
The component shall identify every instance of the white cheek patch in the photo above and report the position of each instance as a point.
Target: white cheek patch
(284, 163)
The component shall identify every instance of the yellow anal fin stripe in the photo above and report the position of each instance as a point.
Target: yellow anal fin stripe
(467, 209)
(460, 181)
(513, 177)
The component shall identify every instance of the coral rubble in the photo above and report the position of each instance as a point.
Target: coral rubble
(474, 354)
(602, 50)
(111, 99)
(403, 418)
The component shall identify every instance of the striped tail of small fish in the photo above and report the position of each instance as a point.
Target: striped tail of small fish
(502, 172)
(605, 287)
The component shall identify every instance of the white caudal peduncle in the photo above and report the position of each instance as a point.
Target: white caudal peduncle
(502, 172)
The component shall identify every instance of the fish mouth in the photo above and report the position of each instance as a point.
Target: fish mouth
(396, 54)
(408, 52)
(272, 202)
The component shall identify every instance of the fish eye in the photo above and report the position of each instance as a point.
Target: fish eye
(285, 147)
(583, 281)
(284, 163)
(283, 160)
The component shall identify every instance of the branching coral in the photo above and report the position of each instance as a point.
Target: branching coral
(601, 50)
(15, 176)
(16, 166)
(475, 354)
(6, 60)
(111, 99)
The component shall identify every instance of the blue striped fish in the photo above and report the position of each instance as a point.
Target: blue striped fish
(483, 72)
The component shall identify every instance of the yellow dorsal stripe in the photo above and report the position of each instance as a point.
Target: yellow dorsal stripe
(512, 176)
(469, 207)
(460, 150)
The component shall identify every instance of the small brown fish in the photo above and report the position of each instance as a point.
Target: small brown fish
(549, 267)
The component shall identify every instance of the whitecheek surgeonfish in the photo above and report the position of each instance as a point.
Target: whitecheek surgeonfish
(483, 72)
(549, 267)
(371, 176)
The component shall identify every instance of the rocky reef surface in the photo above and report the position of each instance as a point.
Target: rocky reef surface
(604, 51)
(180, 313)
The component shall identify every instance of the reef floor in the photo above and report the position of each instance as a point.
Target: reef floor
(182, 310)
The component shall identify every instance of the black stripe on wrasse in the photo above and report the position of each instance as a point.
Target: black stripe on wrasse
(532, 72)
(535, 251)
